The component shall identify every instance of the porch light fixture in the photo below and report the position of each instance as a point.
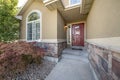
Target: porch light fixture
(65, 28)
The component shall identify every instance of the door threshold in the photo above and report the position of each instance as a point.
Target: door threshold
(77, 47)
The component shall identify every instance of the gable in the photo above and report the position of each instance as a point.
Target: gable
(46, 15)
(27, 5)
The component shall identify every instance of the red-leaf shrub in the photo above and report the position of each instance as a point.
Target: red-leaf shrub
(15, 56)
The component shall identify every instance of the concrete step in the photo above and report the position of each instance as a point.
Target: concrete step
(77, 47)
(72, 52)
(75, 57)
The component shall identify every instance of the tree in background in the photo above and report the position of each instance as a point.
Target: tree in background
(9, 25)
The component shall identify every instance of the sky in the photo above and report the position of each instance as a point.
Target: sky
(21, 2)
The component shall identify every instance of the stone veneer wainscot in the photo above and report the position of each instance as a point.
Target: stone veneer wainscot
(105, 59)
(52, 49)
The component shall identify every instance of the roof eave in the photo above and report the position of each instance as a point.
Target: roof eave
(24, 7)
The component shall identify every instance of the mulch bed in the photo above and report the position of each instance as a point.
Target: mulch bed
(34, 71)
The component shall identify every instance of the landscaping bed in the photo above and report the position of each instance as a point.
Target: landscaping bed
(19, 61)
(33, 72)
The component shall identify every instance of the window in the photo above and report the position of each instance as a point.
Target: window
(33, 26)
(72, 2)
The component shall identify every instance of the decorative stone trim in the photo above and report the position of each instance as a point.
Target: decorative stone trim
(52, 49)
(51, 59)
(105, 62)
(22, 39)
(53, 40)
(48, 40)
(112, 43)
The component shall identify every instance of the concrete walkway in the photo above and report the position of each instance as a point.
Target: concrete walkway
(74, 65)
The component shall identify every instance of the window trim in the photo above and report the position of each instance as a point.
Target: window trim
(75, 3)
(40, 25)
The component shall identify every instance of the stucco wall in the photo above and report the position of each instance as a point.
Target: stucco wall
(49, 20)
(61, 33)
(104, 19)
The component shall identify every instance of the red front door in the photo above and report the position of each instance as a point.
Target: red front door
(78, 34)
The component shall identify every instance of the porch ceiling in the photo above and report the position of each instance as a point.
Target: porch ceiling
(70, 14)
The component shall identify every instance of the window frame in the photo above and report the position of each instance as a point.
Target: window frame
(33, 21)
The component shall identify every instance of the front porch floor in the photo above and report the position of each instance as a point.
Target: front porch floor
(74, 65)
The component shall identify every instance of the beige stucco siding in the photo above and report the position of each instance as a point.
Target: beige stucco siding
(23, 29)
(61, 33)
(104, 19)
(49, 20)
